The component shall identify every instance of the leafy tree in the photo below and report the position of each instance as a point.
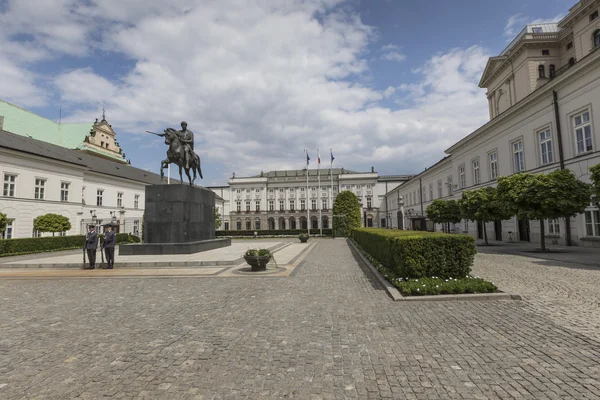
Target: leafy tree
(595, 170)
(51, 223)
(3, 222)
(444, 212)
(483, 205)
(347, 210)
(558, 194)
(218, 221)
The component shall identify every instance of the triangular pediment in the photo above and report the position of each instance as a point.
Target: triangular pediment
(491, 67)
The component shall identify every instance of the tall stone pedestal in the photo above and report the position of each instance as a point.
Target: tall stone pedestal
(178, 219)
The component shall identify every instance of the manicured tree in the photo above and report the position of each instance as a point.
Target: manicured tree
(217, 218)
(482, 205)
(3, 222)
(444, 212)
(595, 170)
(51, 223)
(558, 194)
(347, 207)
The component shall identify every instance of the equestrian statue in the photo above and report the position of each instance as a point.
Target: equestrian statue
(180, 152)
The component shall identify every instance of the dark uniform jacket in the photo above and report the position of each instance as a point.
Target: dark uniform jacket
(110, 239)
(91, 240)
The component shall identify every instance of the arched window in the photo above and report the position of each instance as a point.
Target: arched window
(571, 61)
(541, 71)
(552, 70)
(597, 38)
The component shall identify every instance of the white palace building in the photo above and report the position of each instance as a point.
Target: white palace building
(544, 104)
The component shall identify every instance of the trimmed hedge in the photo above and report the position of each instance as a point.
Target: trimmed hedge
(14, 247)
(416, 254)
(276, 232)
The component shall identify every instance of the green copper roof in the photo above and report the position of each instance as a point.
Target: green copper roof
(26, 123)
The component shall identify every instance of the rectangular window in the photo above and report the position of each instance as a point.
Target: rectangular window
(476, 172)
(546, 155)
(281, 205)
(248, 206)
(450, 187)
(313, 204)
(119, 199)
(545, 52)
(292, 205)
(238, 205)
(270, 190)
(36, 234)
(537, 30)
(238, 191)
(430, 191)
(324, 204)
(493, 158)
(462, 178)
(9, 185)
(569, 45)
(593, 15)
(592, 219)
(99, 194)
(40, 189)
(257, 205)
(369, 204)
(136, 227)
(257, 224)
(518, 158)
(136, 201)
(248, 225)
(64, 191)
(302, 204)
(553, 227)
(238, 225)
(226, 225)
(440, 192)
(8, 231)
(302, 189)
(313, 189)
(257, 190)
(583, 132)
(271, 205)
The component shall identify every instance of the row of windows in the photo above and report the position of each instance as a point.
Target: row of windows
(291, 190)
(293, 224)
(292, 205)
(10, 183)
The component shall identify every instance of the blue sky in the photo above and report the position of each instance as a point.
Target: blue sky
(385, 83)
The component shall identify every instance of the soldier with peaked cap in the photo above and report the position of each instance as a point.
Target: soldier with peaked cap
(108, 245)
(90, 245)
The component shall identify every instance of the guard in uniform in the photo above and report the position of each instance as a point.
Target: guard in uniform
(91, 244)
(110, 239)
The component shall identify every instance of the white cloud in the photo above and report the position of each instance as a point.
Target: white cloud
(393, 56)
(259, 81)
(517, 22)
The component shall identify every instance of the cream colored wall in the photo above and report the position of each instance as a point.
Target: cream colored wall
(582, 33)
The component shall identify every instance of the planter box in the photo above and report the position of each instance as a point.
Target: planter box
(258, 263)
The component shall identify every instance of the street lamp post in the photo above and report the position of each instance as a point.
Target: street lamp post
(401, 208)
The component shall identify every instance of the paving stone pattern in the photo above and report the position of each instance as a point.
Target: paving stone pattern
(327, 332)
(567, 293)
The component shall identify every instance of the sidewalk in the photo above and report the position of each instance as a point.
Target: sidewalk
(574, 255)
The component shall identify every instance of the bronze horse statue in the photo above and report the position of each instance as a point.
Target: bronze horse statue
(176, 155)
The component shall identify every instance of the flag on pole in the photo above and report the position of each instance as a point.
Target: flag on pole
(307, 158)
(332, 158)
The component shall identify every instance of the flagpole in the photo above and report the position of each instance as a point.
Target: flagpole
(320, 224)
(307, 207)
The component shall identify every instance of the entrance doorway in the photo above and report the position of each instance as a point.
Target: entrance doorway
(524, 230)
(498, 229)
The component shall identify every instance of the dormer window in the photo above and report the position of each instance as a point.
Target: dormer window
(594, 15)
(541, 71)
(545, 52)
(537, 29)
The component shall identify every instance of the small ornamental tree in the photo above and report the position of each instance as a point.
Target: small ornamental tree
(482, 205)
(218, 221)
(558, 194)
(51, 223)
(347, 210)
(3, 222)
(595, 177)
(444, 212)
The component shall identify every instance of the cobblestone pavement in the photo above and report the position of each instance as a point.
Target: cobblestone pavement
(326, 332)
(567, 293)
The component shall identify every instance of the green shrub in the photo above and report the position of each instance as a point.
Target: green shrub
(276, 232)
(415, 254)
(14, 247)
(435, 286)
